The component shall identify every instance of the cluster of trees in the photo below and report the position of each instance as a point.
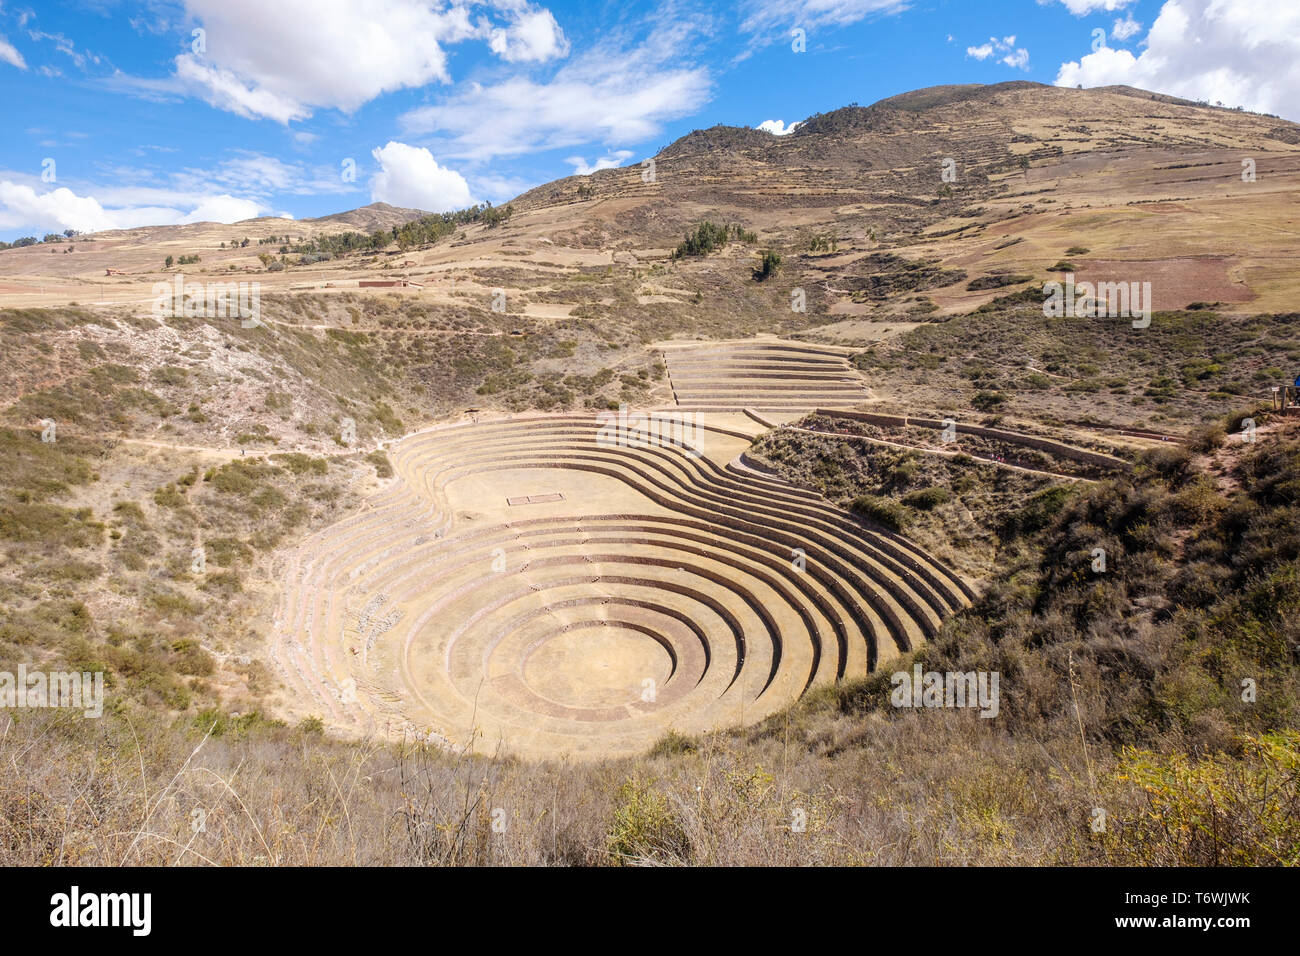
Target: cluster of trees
(32, 240)
(341, 244)
(182, 261)
(822, 242)
(268, 241)
(707, 237)
(271, 264)
(418, 232)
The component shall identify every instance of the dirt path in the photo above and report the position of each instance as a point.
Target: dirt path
(229, 454)
(343, 328)
(1221, 463)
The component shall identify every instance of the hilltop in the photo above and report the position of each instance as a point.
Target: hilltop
(376, 216)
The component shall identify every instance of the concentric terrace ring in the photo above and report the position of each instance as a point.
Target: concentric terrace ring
(525, 584)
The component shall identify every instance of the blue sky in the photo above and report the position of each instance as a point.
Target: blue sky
(121, 114)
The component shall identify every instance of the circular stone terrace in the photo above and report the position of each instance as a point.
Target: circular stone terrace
(567, 584)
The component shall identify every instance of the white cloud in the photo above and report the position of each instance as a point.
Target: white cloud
(534, 37)
(1019, 59)
(1015, 57)
(1080, 7)
(67, 48)
(521, 116)
(580, 167)
(778, 17)
(226, 91)
(259, 176)
(611, 95)
(254, 171)
(245, 185)
(10, 55)
(410, 176)
(1123, 29)
(500, 188)
(283, 60)
(1238, 52)
(22, 207)
(222, 209)
(777, 127)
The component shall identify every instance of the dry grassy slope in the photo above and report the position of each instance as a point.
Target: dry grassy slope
(1132, 176)
(378, 215)
(77, 271)
(858, 154)
(1158, 178)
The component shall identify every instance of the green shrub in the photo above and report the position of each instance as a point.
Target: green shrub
(1038, 511)
(190, 658)
(926, 499)
(220, 723)
(311, 726)
(981, 283)
(168, 497)
(49, 525)
(644, 829)
(1216, 811)
(883, 511)
(673, 743)
(299, 464)
(1207, 439)
(383, 467)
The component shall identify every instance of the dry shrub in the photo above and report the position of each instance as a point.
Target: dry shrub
(1216, 811)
